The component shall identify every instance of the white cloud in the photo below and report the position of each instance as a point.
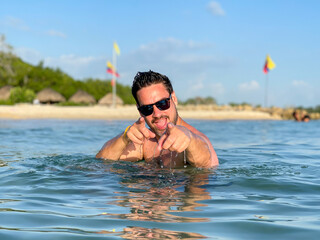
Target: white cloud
(172, 44)
(200, 86)
(302, 93)
(29, 55)
(14, 22)
(70, 60)
(197, 85)
(297, 83)
(78, 66)
(55, 33)
(249, 86)
(189, 64)
(174, 55)
(217, 89)
(216, 9)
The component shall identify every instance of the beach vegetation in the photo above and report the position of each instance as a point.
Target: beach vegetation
(18, 73)
(6, 102)
(200, 101)
(21, 95)
(233, 104)
(315, 109)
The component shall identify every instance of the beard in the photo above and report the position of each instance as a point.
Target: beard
(158, 132)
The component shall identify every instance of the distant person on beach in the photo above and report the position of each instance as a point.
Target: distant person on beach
(169, 141)
(296, 116)
(306, 118)
(300, 117)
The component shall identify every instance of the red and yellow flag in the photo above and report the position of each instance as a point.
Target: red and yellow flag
(111, 69)
(269, 65)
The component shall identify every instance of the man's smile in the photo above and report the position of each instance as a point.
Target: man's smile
(161, 123)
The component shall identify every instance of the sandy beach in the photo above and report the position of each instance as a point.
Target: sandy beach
(28, 111)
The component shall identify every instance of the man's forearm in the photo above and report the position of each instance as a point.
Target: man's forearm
(113, 149)
(200, 153)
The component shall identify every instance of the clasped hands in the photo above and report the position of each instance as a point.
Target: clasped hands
(176, 138)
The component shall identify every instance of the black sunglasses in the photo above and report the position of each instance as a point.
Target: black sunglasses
(162, 105)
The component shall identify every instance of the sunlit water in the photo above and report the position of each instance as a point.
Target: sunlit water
(266, 187)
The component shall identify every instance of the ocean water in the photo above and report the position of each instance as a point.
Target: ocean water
(267, 185)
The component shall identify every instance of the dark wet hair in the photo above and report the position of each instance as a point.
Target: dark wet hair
(306, 117)
(145, 79)
(294, 113)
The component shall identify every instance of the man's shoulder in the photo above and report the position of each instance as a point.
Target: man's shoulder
(190, 127)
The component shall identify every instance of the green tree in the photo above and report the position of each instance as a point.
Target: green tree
(6, 60)
(21, 95)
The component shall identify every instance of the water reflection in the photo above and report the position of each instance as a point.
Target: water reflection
(153, 233)
(166, 196)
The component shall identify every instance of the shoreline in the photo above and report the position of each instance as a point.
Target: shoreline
(29, 111)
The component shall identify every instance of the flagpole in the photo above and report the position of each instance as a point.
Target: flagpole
(266, 92)
(114, 87)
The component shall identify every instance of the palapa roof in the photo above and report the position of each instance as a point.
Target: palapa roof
(5, 92)
(82, 97)
(107, 100)
(49, 95)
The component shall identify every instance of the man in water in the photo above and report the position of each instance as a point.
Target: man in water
(169, 141)
(306, 118)
(301, 117)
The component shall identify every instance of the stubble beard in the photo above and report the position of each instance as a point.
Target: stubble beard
(174, 121)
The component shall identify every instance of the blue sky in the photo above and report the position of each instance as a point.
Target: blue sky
(207, 48)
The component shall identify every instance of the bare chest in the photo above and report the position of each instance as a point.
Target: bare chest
(163, 158)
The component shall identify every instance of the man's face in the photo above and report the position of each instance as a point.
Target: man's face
(159, 119)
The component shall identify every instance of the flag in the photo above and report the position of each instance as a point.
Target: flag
(109, 65)
(114, 73)
(269, 65)
(116, 48)
(111, 69)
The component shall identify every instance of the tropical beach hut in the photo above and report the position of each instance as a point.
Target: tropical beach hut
(5, 92)
(50, 96)
(108, 100)
(82, 97)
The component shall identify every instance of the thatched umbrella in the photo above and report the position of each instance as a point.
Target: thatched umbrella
(48, 95)
(107, 100)
(5, 92)
(82, 97)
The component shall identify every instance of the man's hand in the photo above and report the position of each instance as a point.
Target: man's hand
(138, 131)
(176, 138)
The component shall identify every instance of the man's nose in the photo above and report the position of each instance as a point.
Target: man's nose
(156, 111)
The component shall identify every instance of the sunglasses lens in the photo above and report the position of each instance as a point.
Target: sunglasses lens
(146, 110)
(163, 104)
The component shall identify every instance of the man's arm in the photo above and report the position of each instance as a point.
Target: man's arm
(127, 145)
(114, 148)
(199, 150)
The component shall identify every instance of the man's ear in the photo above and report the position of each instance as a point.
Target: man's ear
(174, 98)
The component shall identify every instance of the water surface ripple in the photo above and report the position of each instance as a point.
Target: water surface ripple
(52, 187)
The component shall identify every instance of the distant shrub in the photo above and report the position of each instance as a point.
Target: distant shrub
(233, 104)
(21, 95)
(5, 102)
(200, 100)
